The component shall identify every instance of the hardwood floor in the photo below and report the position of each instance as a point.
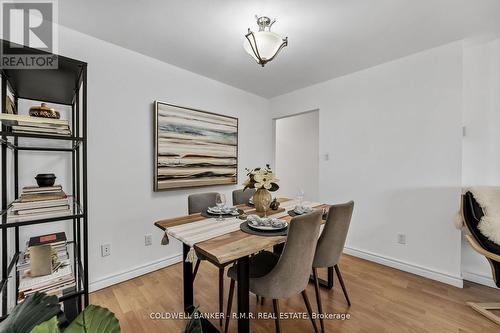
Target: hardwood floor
(383, 300)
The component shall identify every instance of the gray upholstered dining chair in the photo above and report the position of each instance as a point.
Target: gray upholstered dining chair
(242, 196)
(330, 246)
(280, 277)
(197, 203)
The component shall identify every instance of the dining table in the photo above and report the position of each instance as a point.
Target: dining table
(233, 246)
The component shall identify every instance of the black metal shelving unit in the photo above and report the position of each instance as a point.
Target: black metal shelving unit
(66, 85)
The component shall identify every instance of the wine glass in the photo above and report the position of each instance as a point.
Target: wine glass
(300, 196)
(220, 201)
(266, 201)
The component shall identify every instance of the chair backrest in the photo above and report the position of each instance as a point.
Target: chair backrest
(472, 214)
(198, 202)
(332, 240)
(242, 197)
(291, 274)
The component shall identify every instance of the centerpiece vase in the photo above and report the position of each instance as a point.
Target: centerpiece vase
(261, 199)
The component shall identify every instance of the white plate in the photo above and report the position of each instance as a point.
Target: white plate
(217, 210)
(267, 227)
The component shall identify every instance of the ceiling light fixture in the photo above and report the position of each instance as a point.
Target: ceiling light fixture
(264, 45)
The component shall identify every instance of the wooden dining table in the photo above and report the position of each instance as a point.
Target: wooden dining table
(236, 246)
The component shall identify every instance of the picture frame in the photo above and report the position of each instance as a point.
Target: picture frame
(193, 148)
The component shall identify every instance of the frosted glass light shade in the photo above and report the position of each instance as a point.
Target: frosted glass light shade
(265, 45)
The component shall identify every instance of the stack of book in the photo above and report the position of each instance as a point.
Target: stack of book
(60, 281)
(36, 125)
(39, 203)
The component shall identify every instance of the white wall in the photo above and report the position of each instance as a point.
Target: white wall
(297, 155)
(481, 144)
(122, 86)
(393, 133)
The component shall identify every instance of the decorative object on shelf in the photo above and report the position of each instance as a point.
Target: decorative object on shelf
(45, 179)
(264, 45)
(193, 148)
(265, 181)
(275, 204)
(39, 313)
(11, 108)
(40, 260)
(43, 111)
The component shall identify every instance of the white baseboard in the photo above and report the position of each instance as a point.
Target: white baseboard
(134, 272)
(479, 278)
(403, 266)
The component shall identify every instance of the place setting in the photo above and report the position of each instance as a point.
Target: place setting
(264, 226)
(221, 210)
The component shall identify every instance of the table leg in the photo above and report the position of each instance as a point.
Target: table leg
(243, 295)
(187, 272)
(187, 280)
(328, 284)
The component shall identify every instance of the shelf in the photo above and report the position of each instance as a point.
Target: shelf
(49, 85)
(78, 279)
(18, 147)
(41, 136)
(75, 209)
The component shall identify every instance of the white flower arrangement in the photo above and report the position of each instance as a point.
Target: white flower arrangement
(261, 178)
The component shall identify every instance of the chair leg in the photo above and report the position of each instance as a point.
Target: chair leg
(276, 306)
(309, 310)
(337, 270)
(221, 292)
(198, 261)
(229, 304)
(318, 299)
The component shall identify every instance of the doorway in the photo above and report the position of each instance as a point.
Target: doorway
(297, 155)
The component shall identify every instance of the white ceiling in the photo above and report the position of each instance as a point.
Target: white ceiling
(327, 38)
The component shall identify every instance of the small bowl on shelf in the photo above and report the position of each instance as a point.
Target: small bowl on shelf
(45, 179)
(44, 111)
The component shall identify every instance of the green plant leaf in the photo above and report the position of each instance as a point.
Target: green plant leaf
(49, 326)
(94, 319)
(34, 310)
(194, 324)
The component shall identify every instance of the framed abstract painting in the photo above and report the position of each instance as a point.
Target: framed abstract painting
(193, 148)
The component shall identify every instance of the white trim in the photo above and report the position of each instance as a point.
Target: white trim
(479, 278)
(456, 281)
(134, 272)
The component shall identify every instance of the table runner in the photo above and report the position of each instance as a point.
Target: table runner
(199, 231)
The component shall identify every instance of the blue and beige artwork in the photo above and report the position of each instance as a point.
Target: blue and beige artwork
(194, 148)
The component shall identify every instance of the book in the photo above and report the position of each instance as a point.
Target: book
(22, 218)
(42, 125)
(55, 238)
(38, 189)
(61, 276)
(42, 196)
(17, 205)
(13, 119)
(40, 130)
(43, 210)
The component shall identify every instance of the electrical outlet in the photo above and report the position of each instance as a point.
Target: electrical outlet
(148, 240)
(402, 239)
(105, 250)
